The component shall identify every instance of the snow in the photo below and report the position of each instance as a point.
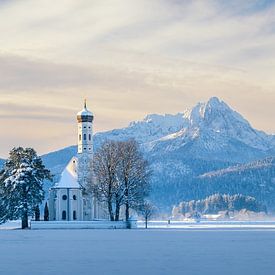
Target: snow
(137, 252)
(202, 225)
(69, 176)
(98, 224)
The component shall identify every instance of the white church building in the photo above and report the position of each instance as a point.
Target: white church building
(68, 199)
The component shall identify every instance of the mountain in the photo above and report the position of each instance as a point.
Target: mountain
(2, 162)
(209, 137)
(215, 132)
(256, 179)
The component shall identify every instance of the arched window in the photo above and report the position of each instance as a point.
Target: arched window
(64, 215)
(79, 137)
(89, 136)
(74, 215)
(74, 197)
(84, 136)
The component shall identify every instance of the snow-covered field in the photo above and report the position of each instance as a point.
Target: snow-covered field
(191, 224)
(152, 251)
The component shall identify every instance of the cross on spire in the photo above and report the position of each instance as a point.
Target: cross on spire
(85, 103)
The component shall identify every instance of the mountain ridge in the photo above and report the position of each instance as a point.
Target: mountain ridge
(208, 137)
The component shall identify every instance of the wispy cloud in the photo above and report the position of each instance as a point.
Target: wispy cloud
(132, 57)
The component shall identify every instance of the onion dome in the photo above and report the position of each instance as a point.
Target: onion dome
(85, 115)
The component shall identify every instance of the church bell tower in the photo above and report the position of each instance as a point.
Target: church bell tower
(85, 145)
(85, 132)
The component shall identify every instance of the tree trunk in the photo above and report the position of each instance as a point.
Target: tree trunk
(146, 222)
(110, 208)
(126, 200)
(25, 220)
(117, 212)
(128, 224)
(127, 214)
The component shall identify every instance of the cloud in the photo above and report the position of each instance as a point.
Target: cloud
(131, 58)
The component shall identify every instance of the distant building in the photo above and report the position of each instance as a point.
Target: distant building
(68, 199)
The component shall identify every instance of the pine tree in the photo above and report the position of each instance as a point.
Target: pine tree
(21, 184)
(37, 213)
(46, 212)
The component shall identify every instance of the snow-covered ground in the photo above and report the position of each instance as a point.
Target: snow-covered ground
(152, 251)
(206, 224)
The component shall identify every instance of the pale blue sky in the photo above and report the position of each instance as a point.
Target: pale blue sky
(129, 58)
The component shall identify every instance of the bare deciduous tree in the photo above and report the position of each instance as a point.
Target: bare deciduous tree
(121, 176)
(133, 175)
(105, 164)
(147, 210)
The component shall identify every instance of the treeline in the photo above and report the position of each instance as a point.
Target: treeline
(217, 202)
(255, 180)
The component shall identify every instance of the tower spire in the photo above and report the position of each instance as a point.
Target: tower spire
(85, 103)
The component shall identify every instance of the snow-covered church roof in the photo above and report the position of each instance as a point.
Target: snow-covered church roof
(69, 177)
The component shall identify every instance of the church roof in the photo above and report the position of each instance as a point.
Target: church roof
(69, 177)
(85, 111)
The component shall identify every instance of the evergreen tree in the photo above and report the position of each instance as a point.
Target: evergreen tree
(37, 213)
(46, 212)
(21, 184)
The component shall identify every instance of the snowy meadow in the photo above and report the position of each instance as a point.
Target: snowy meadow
(152, 251)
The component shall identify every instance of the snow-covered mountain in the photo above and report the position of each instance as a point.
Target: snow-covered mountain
(213, 131)
(240, 168)
(1, 162)
(210, 131)
(210, 136)
(151, 128)
(255, 179)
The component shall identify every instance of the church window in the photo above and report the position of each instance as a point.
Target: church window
(89, 136)
(84, 136)
(64, 215)
(74, 215)
(79, 137)
(64, 197)
(74, 197)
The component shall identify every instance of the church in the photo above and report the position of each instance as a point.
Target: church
(68, 198)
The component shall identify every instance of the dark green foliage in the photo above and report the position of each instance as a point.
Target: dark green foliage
(21, 184)
(46, 212)
(37, 213)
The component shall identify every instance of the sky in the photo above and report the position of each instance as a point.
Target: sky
(129, 58)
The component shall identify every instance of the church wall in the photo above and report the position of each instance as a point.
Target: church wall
(65, 204)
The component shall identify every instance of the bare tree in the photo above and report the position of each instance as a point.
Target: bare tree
(133, 175)
(147, 210)
(105, 164)
(121, 176)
